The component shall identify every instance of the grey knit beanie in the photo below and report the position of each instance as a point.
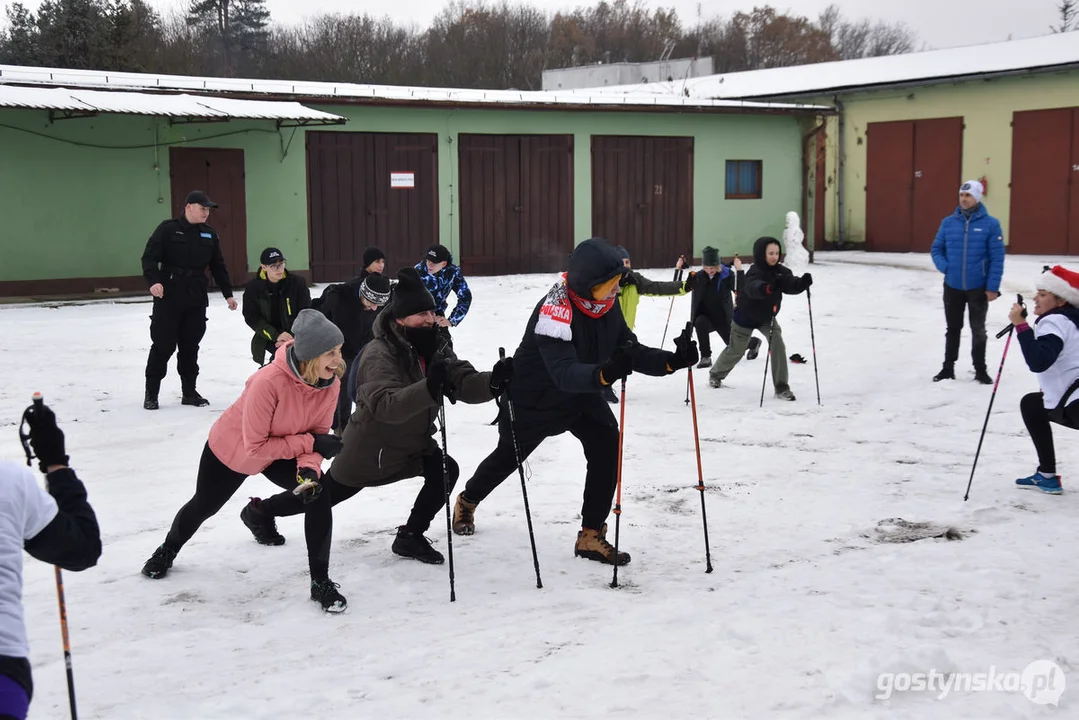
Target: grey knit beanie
(314, 335)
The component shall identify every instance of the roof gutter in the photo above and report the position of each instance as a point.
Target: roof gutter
(906, 84)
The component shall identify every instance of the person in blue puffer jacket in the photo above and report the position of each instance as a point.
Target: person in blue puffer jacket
(441, 276)
(969, 250)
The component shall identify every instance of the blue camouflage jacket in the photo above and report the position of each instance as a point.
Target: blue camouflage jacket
(440, 285)
(970, 250)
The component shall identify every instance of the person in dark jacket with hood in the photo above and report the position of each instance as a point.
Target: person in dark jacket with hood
(758, 305)
(272, 300)
(711, 303)
(575, 344)
(969, 250)
(1051, 350)
(404, 373)
(353, 308)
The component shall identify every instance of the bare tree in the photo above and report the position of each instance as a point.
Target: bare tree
(1069, 16)
(862, 38)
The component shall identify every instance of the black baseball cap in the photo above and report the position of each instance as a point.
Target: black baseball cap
(438, 253)
(198, 197)
(271, 256)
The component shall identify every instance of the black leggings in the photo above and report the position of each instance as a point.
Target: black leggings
(1036, 418)
(217, 483)
(431, 498)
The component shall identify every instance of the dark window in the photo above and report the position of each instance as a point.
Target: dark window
(743, 179)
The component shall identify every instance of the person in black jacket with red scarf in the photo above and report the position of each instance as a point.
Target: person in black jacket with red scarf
(758, 304)
(575, 344)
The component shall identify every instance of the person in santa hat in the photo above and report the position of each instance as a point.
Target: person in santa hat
(1051, 351)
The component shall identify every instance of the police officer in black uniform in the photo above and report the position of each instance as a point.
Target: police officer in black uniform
(174, 265)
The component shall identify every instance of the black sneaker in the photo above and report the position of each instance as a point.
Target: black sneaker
(159, 563)
(754, 348)
(150, 403)
(261, 525)
(946, 373)
(195, 400)
(415, 545)
(983, 377)
(325, 593)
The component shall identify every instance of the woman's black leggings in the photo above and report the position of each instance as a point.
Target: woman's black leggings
(1036, 418)
(217, 483)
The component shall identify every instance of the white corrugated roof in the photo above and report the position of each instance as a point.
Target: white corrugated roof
(325, 91)
(136, 103)
(976, 60)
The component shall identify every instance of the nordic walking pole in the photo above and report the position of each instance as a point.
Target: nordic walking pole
(521, 470)
(38, 405)
(700, 471)
(618, 496)
(677, 277)
(768, 358)
(446, 491)
(813, 342)
(1000, 371)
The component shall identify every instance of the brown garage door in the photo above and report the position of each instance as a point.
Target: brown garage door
(1045, 182)
(912, 181)
(516, 203)
(642, 196)
(219, 173)
(367, 189)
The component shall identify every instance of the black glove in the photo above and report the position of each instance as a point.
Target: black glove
(501, 374)
(619, 366)
(309, 487)
(807, 280)
(438, 381)
(46, 439)
(685, 350)
(327, 445)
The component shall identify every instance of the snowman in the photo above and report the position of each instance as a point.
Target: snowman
(796, 256)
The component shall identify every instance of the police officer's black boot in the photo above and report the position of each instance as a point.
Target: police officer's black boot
(190, 394)
(149, 402)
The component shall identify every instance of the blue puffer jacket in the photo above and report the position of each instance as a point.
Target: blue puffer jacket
(970, 251)
(449, 278)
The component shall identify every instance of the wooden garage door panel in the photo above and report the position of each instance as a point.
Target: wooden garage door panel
(352, 205)
(1041, 170)
(642, 196)
(938, 160)
(219, 172)
(889, 186)
(1073, 182)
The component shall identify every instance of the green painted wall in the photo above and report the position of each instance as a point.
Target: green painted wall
(77, 211)
(986, 107)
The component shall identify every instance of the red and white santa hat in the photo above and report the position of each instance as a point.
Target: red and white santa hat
(1061, 282)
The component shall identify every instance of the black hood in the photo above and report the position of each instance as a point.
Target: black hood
(592, 262)
(760, 248)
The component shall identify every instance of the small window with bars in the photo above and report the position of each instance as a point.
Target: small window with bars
(743, 180)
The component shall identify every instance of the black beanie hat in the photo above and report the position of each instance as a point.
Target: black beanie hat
(375, 288)
(372, 254)
(410, 295)
(710, 256)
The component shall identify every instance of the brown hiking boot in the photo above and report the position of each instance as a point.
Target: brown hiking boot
(464, 516)
(593, 545)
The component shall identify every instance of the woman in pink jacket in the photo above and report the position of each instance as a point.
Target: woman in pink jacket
(280, 428)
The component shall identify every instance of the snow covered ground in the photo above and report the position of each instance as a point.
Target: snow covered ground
(807, 605)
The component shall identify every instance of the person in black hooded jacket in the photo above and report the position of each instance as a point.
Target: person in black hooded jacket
(575, 344)
(758, 304)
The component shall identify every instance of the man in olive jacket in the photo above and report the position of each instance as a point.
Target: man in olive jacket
(404, 373)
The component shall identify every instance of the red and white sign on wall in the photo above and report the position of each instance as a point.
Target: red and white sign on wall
(401, 180)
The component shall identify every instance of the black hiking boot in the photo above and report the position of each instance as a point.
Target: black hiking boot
(159, 563)
(149, 401)
(194, 399)
(754, 348)
(946, 373)
(262, 525)
(324, 592)
(980, 375)
(415, 545)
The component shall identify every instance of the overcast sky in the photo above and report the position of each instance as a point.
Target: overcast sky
(938, 23)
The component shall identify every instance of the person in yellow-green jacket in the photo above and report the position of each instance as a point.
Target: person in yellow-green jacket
(272, 300)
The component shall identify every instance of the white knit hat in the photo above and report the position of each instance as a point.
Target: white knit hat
(1061, 282)
(973, 188)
